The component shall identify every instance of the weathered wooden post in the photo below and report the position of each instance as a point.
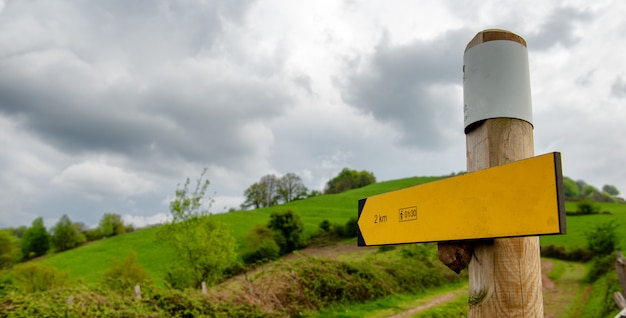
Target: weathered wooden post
(504, 274)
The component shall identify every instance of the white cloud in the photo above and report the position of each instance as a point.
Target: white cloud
(98, 179)
(106, 106)
(143, 220)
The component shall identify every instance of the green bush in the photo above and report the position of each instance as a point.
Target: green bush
(123, 276)
(325, 225)
(6, 283)
(288, 230)
(93, 302)
(600, 303)
(351, 227)
(33, 277)
(599, 267)
(603, 240)
(9, 250)
(585, 207)
(260, 246)
(559, 252)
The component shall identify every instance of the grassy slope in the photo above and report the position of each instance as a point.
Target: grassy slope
(88, 262)
(578, 225)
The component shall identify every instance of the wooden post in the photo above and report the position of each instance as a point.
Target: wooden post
(620, 268)
(504, 274)
(137, 292)
(204, 290)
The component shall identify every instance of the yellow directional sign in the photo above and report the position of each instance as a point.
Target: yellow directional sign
(517, 199)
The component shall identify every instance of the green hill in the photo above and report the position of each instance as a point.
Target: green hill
(87, 263)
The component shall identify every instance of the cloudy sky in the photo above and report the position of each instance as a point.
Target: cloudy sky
(105, 106)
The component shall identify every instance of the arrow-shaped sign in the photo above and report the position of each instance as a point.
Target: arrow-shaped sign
(517, 199)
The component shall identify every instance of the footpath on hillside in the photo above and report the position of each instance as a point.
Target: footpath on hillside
(563, 298)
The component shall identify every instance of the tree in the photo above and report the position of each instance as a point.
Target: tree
(570, 188)
(65, 235)
(314, 193)
(288, 229)
(610, 189)
(111, 224)
(588, 191)
(9, 252)
(254, 196)
(36, 240)
(204, 247)
(349, 179)
(19, 231)
(290, 188)
(263, 193)
(581, 186)
(270, 185)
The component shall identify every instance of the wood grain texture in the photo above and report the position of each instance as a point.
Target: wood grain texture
(504, 274)
(495, 35)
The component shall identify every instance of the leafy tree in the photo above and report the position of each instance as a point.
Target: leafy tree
(254, 196)
(610, 189)
(9, 252)
(314, 193)
(581, 186)
(589, 191)
(288, 230)
(263, 193)
(36, 240)
(349, 179)
(123, 276)
(204, 247)
(93, 234)
(570, 188)
(65, 235)
(290, 188)
(111, 224)
(19, 231)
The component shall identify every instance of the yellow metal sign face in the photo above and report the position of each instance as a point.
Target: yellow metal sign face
(517, 199)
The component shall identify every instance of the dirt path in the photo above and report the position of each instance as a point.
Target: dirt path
(565, 296)
(432, 303)
(561, 299)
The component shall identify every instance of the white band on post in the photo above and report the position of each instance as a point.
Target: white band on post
(496, 82)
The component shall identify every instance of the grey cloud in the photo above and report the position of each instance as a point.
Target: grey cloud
(398, 83)
(137, 79)
(558, 29)
(618, 88)
(585, 78)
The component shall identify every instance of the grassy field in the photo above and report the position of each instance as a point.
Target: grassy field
(87, 263)
(578, 225)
